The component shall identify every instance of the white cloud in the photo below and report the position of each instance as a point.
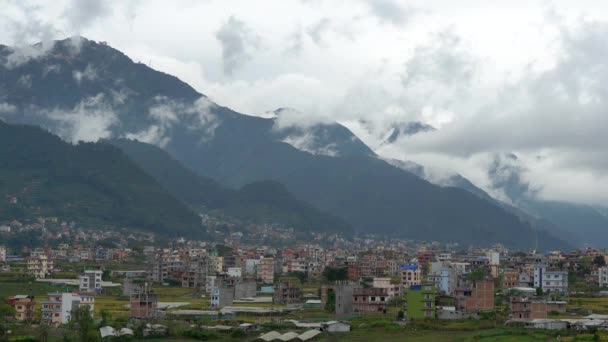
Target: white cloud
(89, 120)
(494, 77)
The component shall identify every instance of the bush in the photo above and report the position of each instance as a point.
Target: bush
(238, 333)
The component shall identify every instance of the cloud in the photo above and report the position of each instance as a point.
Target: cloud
(318, 30)
(391, 11)
(307, 142)
(167, 114)
(506, 173)
(88, 74)
(83, 13)
(7, 108)
(238, 43)
(90, 120)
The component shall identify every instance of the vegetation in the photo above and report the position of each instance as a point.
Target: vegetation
(257, 202)
(90, 183)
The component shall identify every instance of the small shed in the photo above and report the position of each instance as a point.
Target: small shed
(336, 326)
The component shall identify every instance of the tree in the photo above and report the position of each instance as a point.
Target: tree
(599, 261)
(539, 291)
(81, 317)
(332, 274)
(330, 305)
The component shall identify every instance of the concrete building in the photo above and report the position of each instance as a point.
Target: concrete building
(222, 295)
(196, 270)
(392, 290)
(265, 271)
(58, 308)
(40, 266)
(421, 302)
(510, 280)
(602, 273)
(2, 254)
(443, 276)
(371, 300)
(143, 302)
(550, 280)
(24, 307)
(90, 281)
(338, 296)
(288, 291)
(410, 275)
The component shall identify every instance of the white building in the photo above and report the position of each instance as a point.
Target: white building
(90, 281)
(2, 254)
(549, 280)
(40, 266)
(235, 272)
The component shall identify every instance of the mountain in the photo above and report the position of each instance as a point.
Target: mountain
(259, 202)
(94, 184)
(84, 90)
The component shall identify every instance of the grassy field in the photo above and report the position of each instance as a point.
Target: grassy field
(597, 305)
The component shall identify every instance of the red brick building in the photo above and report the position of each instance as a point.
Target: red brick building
(478, 297)
(525, 308)
(370, 299)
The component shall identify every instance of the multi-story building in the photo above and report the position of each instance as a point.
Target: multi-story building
(550, 280)
(338, 297)
(58, 308)
(90, 281)
(510, 280)
(24, 307)
(526, 308)
(602, 273)
(2, 254)
(266, 270)
(443, 276)
(410, 275)
(479, 296)
(392, 290)
(196, 270)
(222, 294)
(143, 302)
(421, 302)
(288, 291)
(40, 266)
(370, 299)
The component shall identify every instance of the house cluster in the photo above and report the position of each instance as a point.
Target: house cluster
(58, 307)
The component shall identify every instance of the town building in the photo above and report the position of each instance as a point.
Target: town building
(602, 273)
(443, 276)
(338, 298)
(2, 254)
(24, 307)
(90, 281)
(421, 302)
(222, 295)
(550, 280)
(410, 275)
(477, 297)
(392, 290)
(265, 270)
(526, 308)
(143, 302)
(40, 266)
(510, 280)
(370, 300)
(58, 308)
(288, 291)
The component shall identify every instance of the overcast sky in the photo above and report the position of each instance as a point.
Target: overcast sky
(495, 77)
